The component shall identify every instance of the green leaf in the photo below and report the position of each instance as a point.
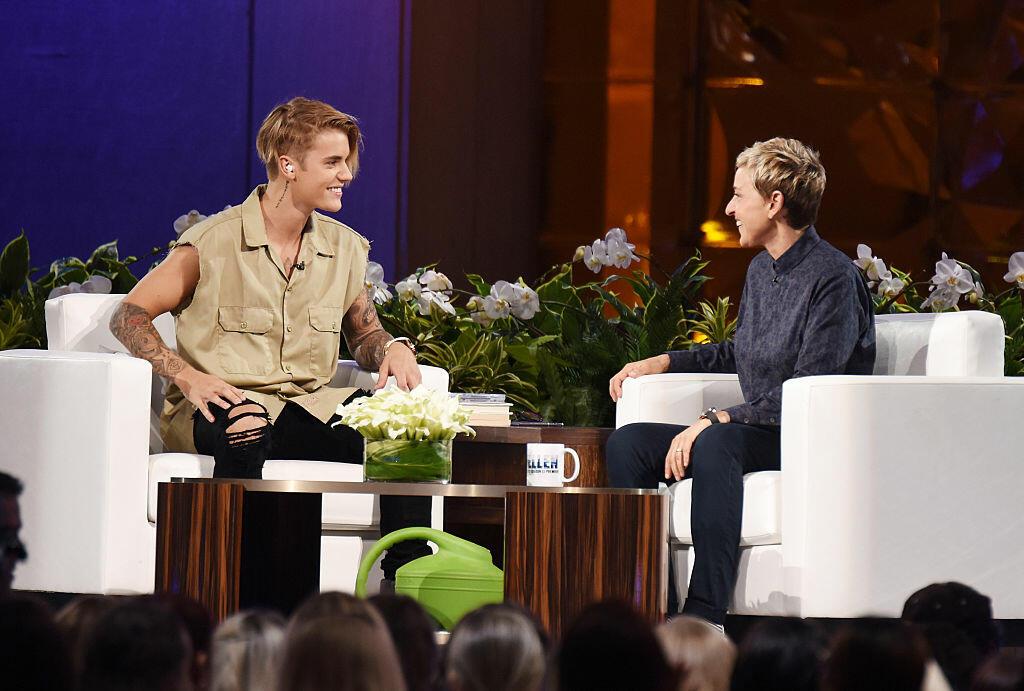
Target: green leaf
(482, 286)
(103, 253)
(14, 265)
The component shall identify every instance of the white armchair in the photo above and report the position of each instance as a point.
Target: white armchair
(888, 483)
(79, 424)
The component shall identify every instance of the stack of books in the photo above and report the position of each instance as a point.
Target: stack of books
(488, 409)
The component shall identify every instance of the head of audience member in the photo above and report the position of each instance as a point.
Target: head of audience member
(1002, 671)
(246, 649)
(77, 620)
(872, 654)
(11, 548)
(780, 654)
(342, 652)
(495, 648)
(33, 653)
(412, 632)
(609, 645)
(777, 188)
(330, 604)
(139, 645)
(957, 622)
(702, 655)
(198, 625)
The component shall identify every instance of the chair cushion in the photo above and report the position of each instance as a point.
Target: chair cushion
(338, 509)
(762, 509)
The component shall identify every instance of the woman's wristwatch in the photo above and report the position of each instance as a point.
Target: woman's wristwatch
(711, 415)
(407, 342)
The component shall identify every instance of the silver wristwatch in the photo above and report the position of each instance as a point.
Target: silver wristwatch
(711, 415)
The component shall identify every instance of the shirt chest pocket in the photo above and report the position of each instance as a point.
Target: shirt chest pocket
(243, 344)
(324, 339)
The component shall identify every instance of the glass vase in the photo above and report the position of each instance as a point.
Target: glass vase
(402, 460)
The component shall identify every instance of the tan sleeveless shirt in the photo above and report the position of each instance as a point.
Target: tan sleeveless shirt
(249, 324)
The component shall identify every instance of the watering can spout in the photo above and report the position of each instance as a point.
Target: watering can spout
(456, 580)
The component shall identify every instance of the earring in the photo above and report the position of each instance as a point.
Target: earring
(289, 167)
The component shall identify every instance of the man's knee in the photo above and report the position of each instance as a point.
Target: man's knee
(248, 424)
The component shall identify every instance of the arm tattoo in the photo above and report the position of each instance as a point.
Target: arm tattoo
(133, 326)
(363, 332)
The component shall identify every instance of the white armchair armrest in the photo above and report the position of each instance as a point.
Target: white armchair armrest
(75, 429)
(891, 483)
(676, 398)
(351, 374)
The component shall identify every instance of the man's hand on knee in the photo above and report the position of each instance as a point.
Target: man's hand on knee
(201, 389)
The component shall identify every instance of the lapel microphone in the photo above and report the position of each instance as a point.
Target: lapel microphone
(301, 266)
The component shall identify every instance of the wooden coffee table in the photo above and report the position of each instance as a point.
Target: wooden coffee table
(235, 544)
(497, 456)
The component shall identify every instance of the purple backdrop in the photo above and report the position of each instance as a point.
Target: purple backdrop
(118, 117)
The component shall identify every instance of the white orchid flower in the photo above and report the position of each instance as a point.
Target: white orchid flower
(409, 289)
(97, 284)
(596, 256)
(949, 273)
(186, 221)
(428, 299)
(943, 297)
(890, 287)
(872, 266)
(68, 289)
(475, 305)
(1016, 270)
(619, 252)
(433, 280)
(498, 305)
(526, 302)
(374, 281)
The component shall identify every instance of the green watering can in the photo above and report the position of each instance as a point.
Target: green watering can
(456, 580)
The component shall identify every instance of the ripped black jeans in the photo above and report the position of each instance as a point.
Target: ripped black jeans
(298, 435)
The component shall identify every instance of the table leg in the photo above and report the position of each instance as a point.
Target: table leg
(565, 551)
(231, 549)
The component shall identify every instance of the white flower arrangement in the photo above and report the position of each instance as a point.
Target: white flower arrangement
(417, 415)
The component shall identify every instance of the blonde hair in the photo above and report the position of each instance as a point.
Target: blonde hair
(705, 654)
(792, 168)
(246, 649)
(289, 130)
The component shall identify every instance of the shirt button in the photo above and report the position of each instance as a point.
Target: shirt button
(334, 325)
(288, 289)
(243, 325)
(287, 368)
(746, 421)
(289, 329)
(771, 419)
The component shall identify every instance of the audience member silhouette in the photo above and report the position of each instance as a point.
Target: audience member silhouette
(342, 652)
(11, 548)
(872, 654)
(702, 655)
(33, 654)
(412, 632)
(333, 603)
(495, 648)
(610, 646)
(1003, 671)
(246, 650)
(78, 619)
(198, 625)
(139, 645)
(780, 654)
(957, 623)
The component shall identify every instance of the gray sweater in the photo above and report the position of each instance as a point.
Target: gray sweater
(809, 312)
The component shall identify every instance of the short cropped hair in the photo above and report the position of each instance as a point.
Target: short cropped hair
(289, 130)
(793, 169)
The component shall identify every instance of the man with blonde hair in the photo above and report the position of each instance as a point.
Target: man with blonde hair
(261, 294)
(805, 310)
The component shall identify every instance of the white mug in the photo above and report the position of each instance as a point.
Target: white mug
(545, 465)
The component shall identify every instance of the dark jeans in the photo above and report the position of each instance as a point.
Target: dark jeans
(298, 435)
(718, 460)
